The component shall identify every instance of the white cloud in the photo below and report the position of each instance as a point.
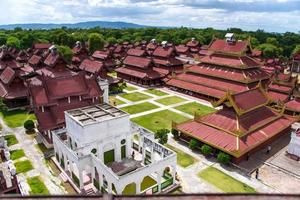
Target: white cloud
(279, 15)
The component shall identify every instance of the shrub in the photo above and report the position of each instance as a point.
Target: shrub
(206, 149)
(175, 133)
(29, 125)
(162, 135)
(223, 158)
(193, 144)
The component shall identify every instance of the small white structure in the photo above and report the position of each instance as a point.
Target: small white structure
(96, 151)
(294, 145)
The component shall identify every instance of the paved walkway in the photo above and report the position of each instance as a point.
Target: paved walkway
(28, 144)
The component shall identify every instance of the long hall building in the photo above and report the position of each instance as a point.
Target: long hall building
(226, 67)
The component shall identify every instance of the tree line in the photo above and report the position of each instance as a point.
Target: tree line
(273, 45)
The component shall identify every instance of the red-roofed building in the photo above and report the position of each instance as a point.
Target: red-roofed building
(80, 52)
(51, 96)
(13, 89)
(281, 87)
(7, 59)
(244, 124)
(164, 57)
(106, 57)
(220, 71)
(139, 70)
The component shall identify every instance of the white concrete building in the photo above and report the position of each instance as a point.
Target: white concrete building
(95, 150)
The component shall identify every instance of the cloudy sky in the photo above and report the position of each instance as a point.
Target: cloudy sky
(270, 15)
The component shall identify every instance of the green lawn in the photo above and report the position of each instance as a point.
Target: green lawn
(136, 96)
(170, 100)
(16, 154)
(224, 182)
(192, 108)
(183, 159)
(156, 92)
(23, 166)
(114, 101)
(11, 140)
(130, 189)
(159, 120)
(37, 186)
(138, 108)
(130, 88)
(16, 118)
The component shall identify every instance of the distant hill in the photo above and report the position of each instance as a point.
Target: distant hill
(82, 25)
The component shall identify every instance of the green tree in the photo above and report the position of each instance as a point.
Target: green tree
(269, 50)
(112, 40)
(175, 133)
(162, 135)
(272, 40)
(29, 125)
(3, 38)
(223, 158)
(96, 42)
(13, 42)
(206, 150)
(65, 52)
(296, 49)
(193, 144)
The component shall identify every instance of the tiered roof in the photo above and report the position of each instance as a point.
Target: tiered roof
(225, 66)
(244, 123)
(281, 87)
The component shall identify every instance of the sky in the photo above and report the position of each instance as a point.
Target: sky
(270, 15)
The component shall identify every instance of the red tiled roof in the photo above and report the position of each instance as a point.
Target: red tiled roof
(250, 99)
(192, 43)
(241, 62)
(200, 89)
(280, 88)
(136, 52)
(163, 52)
(149, 74)
(91, 66)
(139, 62)
(42, 46)
(277, 96)
(293, 105)
(248, 76)
(101, 54)
(34, 60)
(211, 82)
(7, 75)
(52, 59)
(181, 49)
(238, 47)
(234, 145)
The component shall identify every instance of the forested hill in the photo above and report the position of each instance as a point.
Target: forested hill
(80, 25)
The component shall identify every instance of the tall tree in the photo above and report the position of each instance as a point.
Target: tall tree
(13, 42)
(96, 42)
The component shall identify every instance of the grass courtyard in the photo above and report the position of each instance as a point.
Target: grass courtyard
(156, 92)
(192, 108)
(138, 108)
(183, 159)
(170, 100)
(114, 101)
(224, 182)
(37, 186)
(23, 166)
(16, 154)
(11, 140)
(130, 88)
(159, 120)
(16, 118)
(136, 96)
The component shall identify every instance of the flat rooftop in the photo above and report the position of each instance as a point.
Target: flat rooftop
(95, 113)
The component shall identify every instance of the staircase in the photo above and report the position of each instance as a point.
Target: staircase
(89, 192)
